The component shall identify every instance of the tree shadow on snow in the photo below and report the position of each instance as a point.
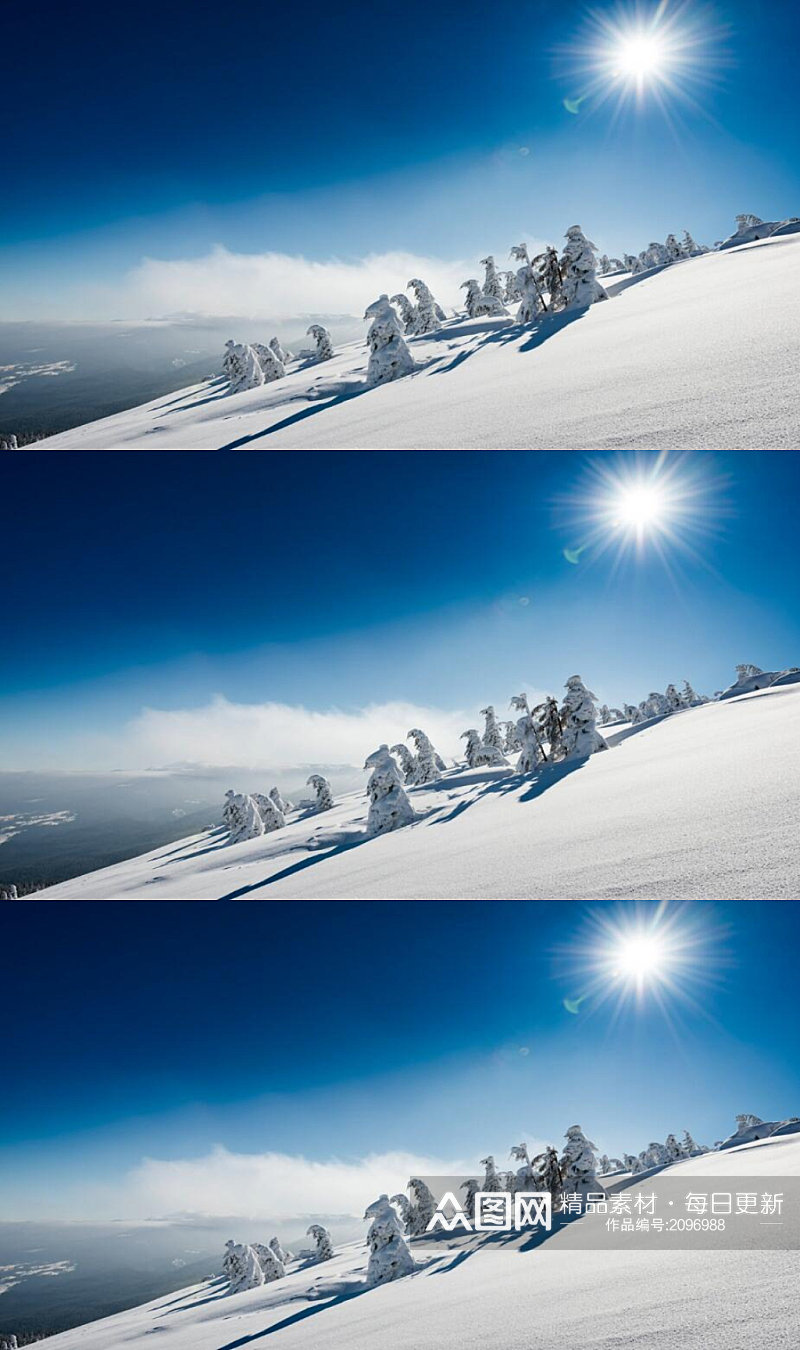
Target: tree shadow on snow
(545, 327)
(545, 777)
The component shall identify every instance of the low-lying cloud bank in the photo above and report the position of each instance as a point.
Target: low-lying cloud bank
(276, 735)
(279, 286)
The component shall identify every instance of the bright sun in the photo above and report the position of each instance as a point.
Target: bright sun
(639, 956)
(640, 56)
(639, 506)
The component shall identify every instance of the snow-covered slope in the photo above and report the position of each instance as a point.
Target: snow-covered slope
(701, 355)
(503, 1297)
(700, 805)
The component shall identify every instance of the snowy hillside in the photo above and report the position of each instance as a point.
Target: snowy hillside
(510, 1296)
(698, 805)
(701, 354)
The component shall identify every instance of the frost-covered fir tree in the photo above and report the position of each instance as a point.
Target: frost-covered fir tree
(492, 284)
(673, 698)
(389, 1256)
(428, 313)
(281, 803)
(747, 221)
(578, 1163)
(674, 248)
(551, 278)
(422, 1206)
(283, 356)
(492, 1180)
(691, 249)
(511, 741)
(580, 286)
(408, 763)
(470, 1189)
(531, 302)
(246, 372)
(525, 1177)
(322, 338)
(511, 290)
(271, 367)
(389, 357)
(271, 817)
(631, 263)
(322, 1238)
(527, 732)
(426, 768)
(631, 1163)
(550, 727)
(690, 1148)
(492, 735)
(746, 671)
(674, 1149)
(479, 305)
(242, 817)
(389, 807)
(283, 1256)
(549, 1173)
(657, 1155)
(322, 788)
(271, 1267)
(232, 361)
(604, 714)
(246, 1272)
(631, 713)
(578, 716)
(604, 263)
(746, 1121)
(408, 312)
(478, 754)
(690, 698)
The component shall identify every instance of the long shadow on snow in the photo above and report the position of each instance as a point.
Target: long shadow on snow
(547, 775)
(547, 326)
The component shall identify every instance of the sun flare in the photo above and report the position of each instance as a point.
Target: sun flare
(639, 956)
(640, 505)
(640, 56)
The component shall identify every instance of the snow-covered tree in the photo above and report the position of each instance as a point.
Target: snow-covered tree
(271, 1267)
(428, 318)
(271, 367)
(470, 1189)
(604, 263)
(690, 698)
(746, 221)
(281, 803)
(531, 301)
(242, 816)
(657, 1155)
(631, 263)
(408, 312)
(604, 714)
(674, 1148)
(674, 248)
(9, 892)
(389, 1256)
(389, 807)
(492, 1180)
(526, 1177)
(550, 1174)
(322, 788)
(478, 754)
(322, 338)
(690, 1148)
(283, 1256)
(321, 1236)
(578, 1163)
(422, 1207)
(511, 741)
(631, 1163)
(389, 357)
(477, 304)
(492, 735)
(426, 769)
(246, 372)
(283, 356)
(531, 754)
(690, 247)
(604, 1163)
(631, 713)
(244, 1270)
(747, 1121)
(492, 284)
(550, 727)
(578, 266)
(408, 763)
(578, 716)
(673, 698)
(746, 671)
(271, 817)
(233, 360)
(511, 290)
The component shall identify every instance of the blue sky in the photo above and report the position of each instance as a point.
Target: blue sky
(334, 582)
(336, 133)
(339, 1031)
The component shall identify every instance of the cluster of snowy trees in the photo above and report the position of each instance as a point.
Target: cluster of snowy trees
(542, 284)
(249, 815)
(249, 365)
(392, 771)
(543, 734)
(655, 255)
(656, 1155)
(656, 705)
(249, 1265)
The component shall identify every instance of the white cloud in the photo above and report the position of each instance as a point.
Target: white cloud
(275, 735)
(278, 1186)
(278, 286)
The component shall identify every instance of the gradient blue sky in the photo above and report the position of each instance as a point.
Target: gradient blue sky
(338, 581)
(341, 132)
(433, 1028)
